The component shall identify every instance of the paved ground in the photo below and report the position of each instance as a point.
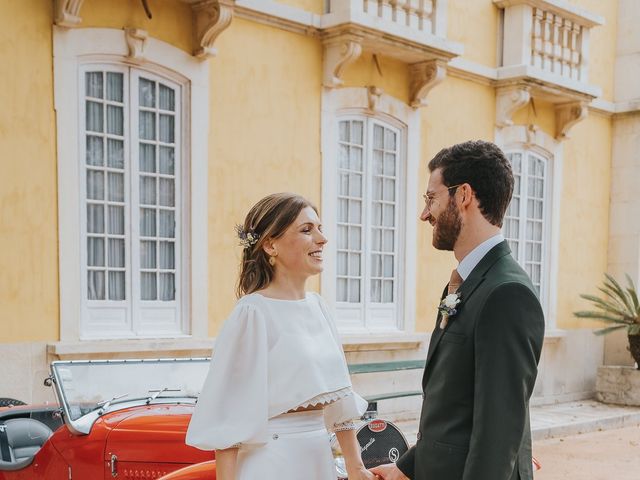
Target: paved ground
(600, 455)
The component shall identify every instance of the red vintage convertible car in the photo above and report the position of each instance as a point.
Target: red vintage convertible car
(124, 419)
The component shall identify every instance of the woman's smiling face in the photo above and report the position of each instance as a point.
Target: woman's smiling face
(299, 249)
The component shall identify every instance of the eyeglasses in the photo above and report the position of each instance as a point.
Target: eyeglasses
(429, 199)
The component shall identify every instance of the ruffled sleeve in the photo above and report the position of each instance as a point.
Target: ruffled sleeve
(233, 405)
(352, 405)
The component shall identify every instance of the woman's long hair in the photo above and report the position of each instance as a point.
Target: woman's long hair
(269, 218)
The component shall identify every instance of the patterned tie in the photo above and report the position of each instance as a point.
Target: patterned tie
(454, 282)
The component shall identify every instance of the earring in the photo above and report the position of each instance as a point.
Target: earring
(272, 260)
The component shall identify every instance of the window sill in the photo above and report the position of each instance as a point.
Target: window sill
(363, 342)
(135, 348)
(554, 336)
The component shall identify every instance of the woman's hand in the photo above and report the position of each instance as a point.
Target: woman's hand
(361, 474)
(388, 471)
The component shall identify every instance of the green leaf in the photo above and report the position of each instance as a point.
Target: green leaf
(602, 316)
(615, 299)
(619, 290)
(634, 329)
(604, 331)
(631, 289)
(604, 305)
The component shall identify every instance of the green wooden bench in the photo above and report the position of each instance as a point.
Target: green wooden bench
(360, 368)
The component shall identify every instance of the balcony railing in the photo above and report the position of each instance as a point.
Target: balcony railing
(417, 15)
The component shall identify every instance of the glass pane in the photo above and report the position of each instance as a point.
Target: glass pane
(148, 190)
(375, 291)
(166, 98)
(116, 286)
(390, 164)
(343, 157)
(167, 192)
(167, 128)
(355, 185)
(147, 222)
(377, 188)
(389, 140)
(354, 211)
(167, 287)
(343, 233)
(387, 291)
(167, 224)
(116, 220)
(514, 207)
(344, 131)
(377, 162)
(116, 187)
(388, 241)
(355, 238)
(167, 257)
(356, 132)
(516, 185)
(389, 216)
(148, 286)
(376, 218)
(342, 263)
(115, 120)
(378, 136)
(343, 184)
(116, 252)
(94, 153)
(94, 118)
(376, 265)
(387, 266)
(147, 93)
(115, 153)
(147, 158)
(167, 160)
(389, 190)
(95, 285)
(147, 254)
(147, 127)
(539, 188)
(376, 237)
(516, 160)
(93, 87)
(95, 185)
(356, 159)
(114, 87)
(343, 206)
(354, 291)
(95, 218)
(341, 290)
(354, 264)
(95, 252)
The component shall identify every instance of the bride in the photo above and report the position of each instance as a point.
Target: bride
(278, 378)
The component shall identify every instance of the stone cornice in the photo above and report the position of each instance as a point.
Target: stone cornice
(67, 13)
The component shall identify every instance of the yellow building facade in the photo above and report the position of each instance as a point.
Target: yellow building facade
(133, 145)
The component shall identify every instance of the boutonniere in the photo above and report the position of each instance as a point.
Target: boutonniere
(448, 308)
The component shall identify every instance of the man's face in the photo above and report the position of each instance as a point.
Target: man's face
(442, 213)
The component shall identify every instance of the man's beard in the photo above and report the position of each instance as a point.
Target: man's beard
(447, 227)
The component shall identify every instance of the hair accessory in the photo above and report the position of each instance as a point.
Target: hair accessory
(247, 239)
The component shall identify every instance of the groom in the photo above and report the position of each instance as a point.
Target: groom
(483, 356)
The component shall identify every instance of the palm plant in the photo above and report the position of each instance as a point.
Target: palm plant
(621, 308)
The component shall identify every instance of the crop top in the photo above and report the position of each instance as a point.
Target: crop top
(272, 356)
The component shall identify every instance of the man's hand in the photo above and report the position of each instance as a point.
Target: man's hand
(389, 471)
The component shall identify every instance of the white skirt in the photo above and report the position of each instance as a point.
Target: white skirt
(298, 449)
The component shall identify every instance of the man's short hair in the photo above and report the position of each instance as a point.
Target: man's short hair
(483, 166)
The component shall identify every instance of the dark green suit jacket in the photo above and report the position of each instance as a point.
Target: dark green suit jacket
(478, 379)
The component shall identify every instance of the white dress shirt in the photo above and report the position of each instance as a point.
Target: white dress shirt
(468, 263)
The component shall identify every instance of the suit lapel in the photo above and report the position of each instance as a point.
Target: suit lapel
(467, 288)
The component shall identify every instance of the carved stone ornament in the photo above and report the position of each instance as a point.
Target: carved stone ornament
(567, 115)
(212, 17)
(67, 13)
(373, 96)
(136, 42)
(338, 55)
(509, 101)
(423, 77)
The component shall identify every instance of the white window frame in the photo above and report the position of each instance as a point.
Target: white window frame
(355, 103)
(525, 139)
(72, 49)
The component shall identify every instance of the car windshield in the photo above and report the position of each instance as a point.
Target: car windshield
(98, 386)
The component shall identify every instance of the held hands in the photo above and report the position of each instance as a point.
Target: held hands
(388, 471)
(361, 474)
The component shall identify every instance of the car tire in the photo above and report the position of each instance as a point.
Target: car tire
(10, 402)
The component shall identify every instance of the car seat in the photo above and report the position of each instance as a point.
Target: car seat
(23, 438)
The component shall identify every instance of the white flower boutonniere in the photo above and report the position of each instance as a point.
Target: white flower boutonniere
(447, 308)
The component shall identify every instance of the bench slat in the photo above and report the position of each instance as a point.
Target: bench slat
(387, 396)
(357, 368)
